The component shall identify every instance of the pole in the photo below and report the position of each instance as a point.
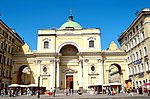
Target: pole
(38, 87)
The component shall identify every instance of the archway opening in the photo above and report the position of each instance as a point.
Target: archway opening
(115, 77)
(24, 77)
(68, 63)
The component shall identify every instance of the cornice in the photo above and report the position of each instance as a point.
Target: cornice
(116, 53)
(45, 54)
(102, 53)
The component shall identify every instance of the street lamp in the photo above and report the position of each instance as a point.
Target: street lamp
(38, 87)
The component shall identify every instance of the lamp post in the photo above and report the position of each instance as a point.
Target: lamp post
(38, 87)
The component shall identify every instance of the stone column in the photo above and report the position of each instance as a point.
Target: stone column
(86, 72)
(58, 74)
(38, 69)
(100, 71)
(80, 74)
(51, 73)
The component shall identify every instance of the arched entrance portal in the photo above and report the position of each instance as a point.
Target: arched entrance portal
(69, 66)
(115, 77)
(23, 76)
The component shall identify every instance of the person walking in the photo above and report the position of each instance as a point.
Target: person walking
(3, 92)
(54, 91)
(109, 90)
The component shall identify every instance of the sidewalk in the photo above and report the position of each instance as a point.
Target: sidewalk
(86, 95)
(76, 96)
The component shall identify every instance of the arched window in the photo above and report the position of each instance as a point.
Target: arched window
(91, 43)
(46, 45)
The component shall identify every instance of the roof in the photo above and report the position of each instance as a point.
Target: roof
(71, 24)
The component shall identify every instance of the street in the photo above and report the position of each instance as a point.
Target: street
(83, 96)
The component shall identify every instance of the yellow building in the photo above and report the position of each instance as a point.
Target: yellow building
(71, 57)
(10, 43)
(135, 41)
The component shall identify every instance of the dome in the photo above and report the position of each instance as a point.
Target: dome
(71, 24)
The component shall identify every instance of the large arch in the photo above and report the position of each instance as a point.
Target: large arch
(68, 61)
(115, 77)
(23, 76)
(69, 43)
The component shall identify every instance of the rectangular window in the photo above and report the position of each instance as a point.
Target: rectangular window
(4, 59)
(133, 57)
(135, 42)
(135, 70)
(142, 35)
(8, 61)
(133, 30)
(139, 68)
(0, 58)
(129, 71)
(147, 66)
(145, 51)
(138, 39)
(137, 84)
(137, 56)
(137, 28)
(140, 54)
(142, 67)
(91, 43)
(46, 45)
(130, 58)
(141, 23)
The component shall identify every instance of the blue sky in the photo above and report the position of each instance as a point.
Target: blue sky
(111, 16)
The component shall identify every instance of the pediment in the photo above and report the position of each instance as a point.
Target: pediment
(69, 70)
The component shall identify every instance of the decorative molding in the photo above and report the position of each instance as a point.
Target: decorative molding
(51, 60)
(86, 60)
(80, 60)
(38, 61)
(99, 60)
(46, 39)
(57, 60)
(69, 71)
(91, 38)
(95, 74)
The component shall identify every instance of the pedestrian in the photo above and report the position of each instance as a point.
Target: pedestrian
(9, 92)
(131, 91)
(51, 91)
(104, 90)
(17, 91)
(12, 93)
(3, 92)
(65, 91)
(140, 91)
(54, 91)
(109, 90)
(71, 91)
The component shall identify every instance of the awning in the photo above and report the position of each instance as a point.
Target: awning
(147, 84)
(25, 86)
(92, 85)
(32, 85)
(116, 83)
(14, 85)
(105, 85)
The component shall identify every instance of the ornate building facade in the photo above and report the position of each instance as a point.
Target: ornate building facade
(135, 41)
(10, 43)
(70, 57)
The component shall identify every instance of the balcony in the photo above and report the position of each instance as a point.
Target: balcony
(140, 75)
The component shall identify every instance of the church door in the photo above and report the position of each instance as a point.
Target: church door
(69, 82)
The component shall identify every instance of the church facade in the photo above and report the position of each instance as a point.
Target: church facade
(70, 57)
